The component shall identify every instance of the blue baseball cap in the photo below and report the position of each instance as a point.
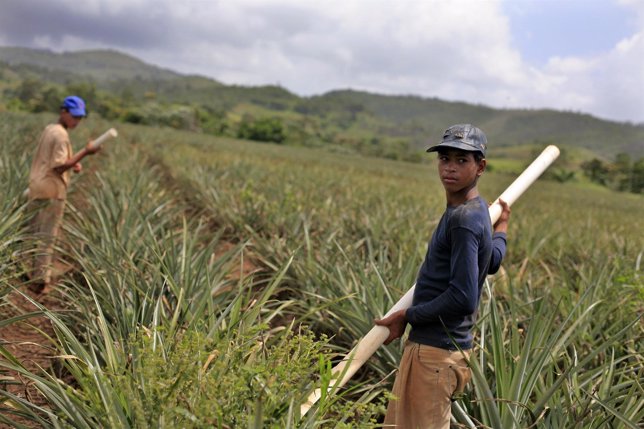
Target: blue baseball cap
(74, 105)
(464, 137)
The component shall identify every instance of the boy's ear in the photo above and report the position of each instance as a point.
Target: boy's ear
(481, 166)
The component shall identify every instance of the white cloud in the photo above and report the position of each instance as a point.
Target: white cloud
(610, 85)
(455, 50)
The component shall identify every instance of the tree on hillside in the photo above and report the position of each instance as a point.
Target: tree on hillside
(33, 95)
(622, 175)
(638, 177)
(28, 90)
(623, 172)
(263, 129)
(597, 171)
(85, 90)
(212, 120)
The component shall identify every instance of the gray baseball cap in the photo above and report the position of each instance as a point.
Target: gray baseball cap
(462, 136)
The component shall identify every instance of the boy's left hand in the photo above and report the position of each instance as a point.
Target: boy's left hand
(396, 324)
(77, 167)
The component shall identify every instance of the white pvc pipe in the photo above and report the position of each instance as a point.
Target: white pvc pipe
(109, 134)
(523, 182)
(368, 345)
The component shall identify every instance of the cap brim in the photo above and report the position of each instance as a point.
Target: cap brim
(454, 145)
(77, 112)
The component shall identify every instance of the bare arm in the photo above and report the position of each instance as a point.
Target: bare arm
(76, 158)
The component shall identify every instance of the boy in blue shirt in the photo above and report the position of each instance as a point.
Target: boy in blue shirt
(463, 250)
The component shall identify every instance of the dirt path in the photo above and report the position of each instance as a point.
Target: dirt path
(27, 341)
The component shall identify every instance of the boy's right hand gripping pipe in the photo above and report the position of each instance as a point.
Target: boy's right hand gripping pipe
(368, 345)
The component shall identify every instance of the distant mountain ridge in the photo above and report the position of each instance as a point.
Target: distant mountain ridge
(101, 65)
(355, 113)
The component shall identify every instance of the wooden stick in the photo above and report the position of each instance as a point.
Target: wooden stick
(368, 345)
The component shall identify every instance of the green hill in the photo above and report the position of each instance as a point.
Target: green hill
(100, 65)
(346, 120)
(422, 117)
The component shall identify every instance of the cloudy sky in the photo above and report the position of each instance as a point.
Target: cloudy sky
(576, 55)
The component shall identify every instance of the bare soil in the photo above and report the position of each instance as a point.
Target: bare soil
(28, 342)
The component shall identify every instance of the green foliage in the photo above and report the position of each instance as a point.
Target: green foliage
(533, 363)
(152, 113)
(596, 171)
(622, 175)
(162, 321)
(35, 96)
(161, 332)
(191, 382)
(262, 129)
(14, 170)
(561, 175)
(362, 240)
(637, 180)
(212, 121)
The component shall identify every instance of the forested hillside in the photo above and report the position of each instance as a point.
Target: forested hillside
(122, 88)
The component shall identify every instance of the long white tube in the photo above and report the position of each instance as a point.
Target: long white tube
(523, 182)
(109, 134)
(368, 345)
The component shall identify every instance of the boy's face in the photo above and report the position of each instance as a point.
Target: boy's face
(458, 169)
(68, 120)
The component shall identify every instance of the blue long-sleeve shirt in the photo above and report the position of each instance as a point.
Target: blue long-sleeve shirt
(461, 252)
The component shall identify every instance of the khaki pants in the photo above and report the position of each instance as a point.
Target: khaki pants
(45, 227)
(426, 381)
